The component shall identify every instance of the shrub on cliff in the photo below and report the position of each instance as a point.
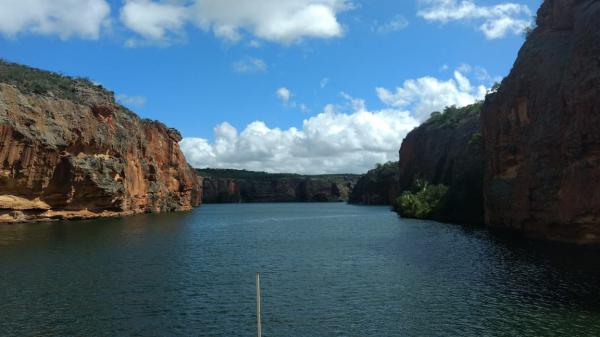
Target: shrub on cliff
(452, 115)
(421, 201)
(476, 140)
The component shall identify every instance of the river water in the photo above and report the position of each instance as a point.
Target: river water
(326, 270)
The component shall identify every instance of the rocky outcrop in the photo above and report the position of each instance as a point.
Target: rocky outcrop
(379, 186)
(447, 150)
(541, 130)
(69, 151)
(246, 186)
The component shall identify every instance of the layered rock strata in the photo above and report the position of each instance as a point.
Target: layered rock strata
(69, 151)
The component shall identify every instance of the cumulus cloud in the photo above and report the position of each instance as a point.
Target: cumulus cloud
(284, 95)
(278, 21)
(427, 94)
(250, 65)
(273, 20)
(497, 21)
(64, 18)
(329, 142)
(153, 21)
(348, 137)
(398, 23)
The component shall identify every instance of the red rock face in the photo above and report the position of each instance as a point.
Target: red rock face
(451, 155)
(542, 130)
(87, 157)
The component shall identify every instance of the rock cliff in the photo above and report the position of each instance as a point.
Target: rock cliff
(542, 130)
(69, 151)
(379, 186)
(447, 149)
(232, 186)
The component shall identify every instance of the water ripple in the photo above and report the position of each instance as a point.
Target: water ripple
(327, 270)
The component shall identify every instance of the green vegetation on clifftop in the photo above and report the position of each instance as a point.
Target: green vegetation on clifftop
(452, 116)
(259, 175)
(35, 81)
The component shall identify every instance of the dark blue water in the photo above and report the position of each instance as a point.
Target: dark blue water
(327, 270)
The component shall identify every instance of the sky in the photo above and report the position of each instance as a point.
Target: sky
(305, 86)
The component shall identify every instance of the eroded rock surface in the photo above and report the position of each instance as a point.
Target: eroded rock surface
(542, 130)
(73, 152)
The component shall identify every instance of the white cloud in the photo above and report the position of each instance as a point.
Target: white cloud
(250, 65)
(136, 101)
(324, 82)
(278, 21)
(153, 21)
(346, 138)
(273, 20)
(427, 94)
(284, 95)
(398, 23)
(65, 18)
(498, 20)
(330, 142)
(481, 74)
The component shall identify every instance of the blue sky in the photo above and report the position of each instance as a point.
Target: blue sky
(198, 64)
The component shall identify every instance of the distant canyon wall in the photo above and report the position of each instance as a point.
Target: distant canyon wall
(379, 186)
(277, 189)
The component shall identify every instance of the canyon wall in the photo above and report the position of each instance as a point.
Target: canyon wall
(542, 130)
(69, 151)
(247, 186)
(447, 149)
(379, 186)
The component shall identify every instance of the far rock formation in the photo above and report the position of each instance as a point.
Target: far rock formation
(542, 130)
(379, 186)
(69, 151)
(238, 186)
